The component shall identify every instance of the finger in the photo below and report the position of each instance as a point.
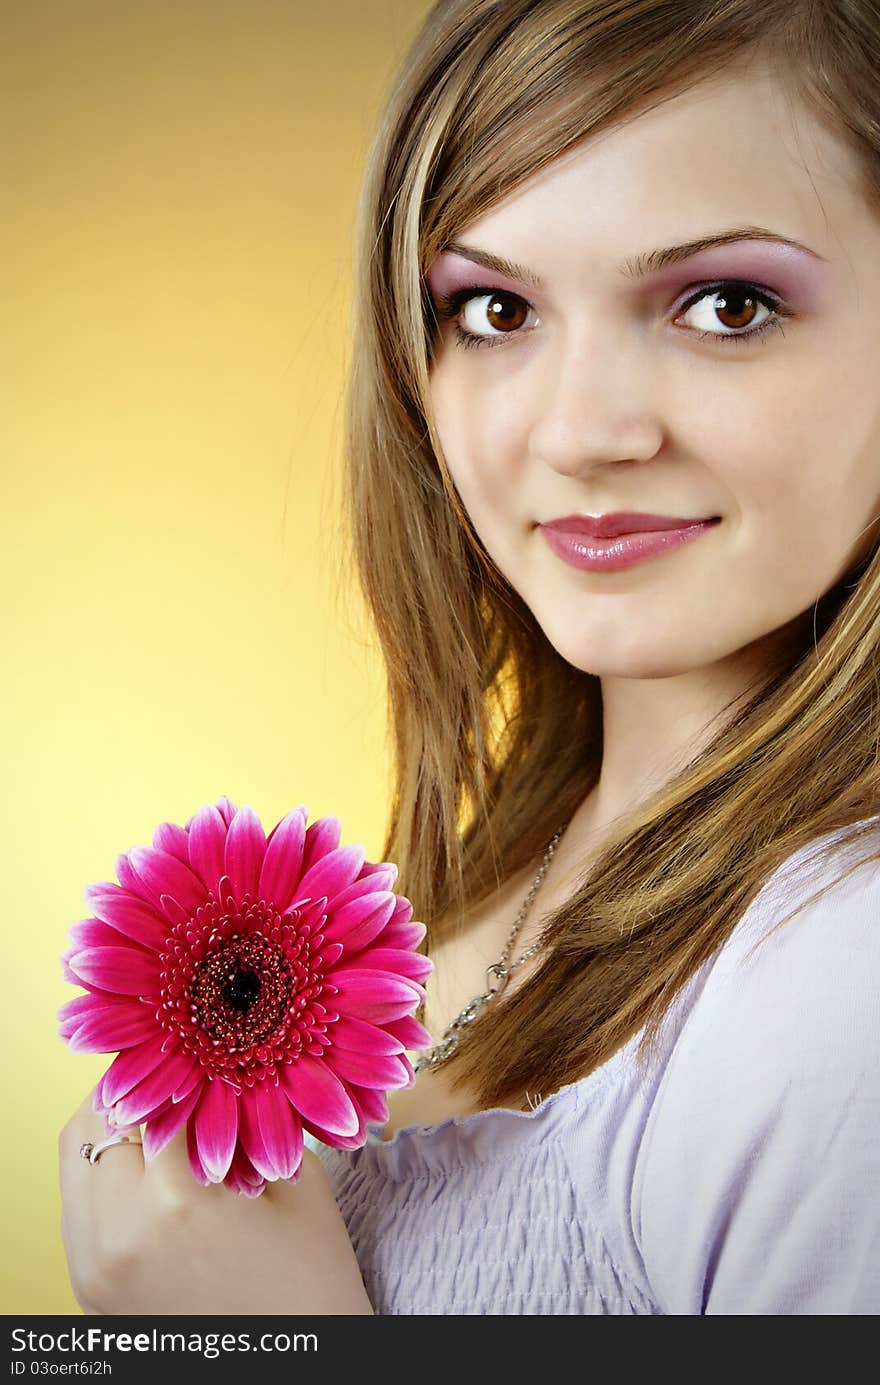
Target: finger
(175, 1173)
(78, 1226)
(169, 1178)
(81, 1187)
(84, 1127)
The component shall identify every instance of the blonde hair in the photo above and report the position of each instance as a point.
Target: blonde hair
(495, 738)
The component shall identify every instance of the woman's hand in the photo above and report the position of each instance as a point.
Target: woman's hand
(148, 1238)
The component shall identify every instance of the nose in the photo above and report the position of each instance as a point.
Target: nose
(594, 405)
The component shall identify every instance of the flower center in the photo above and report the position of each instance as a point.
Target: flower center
(242, 986)
(241, 990)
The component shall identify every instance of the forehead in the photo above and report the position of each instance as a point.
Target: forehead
(738, 148)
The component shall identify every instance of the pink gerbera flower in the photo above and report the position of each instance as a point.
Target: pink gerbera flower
(254, 986)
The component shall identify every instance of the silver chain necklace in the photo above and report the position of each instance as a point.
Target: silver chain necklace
(497, 976)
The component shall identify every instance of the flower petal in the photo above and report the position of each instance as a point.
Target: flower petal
(131, 881)
(242, 1176)
(226, 808)
(160, 1129)
(96, 992)
(369, 1070)
(109, 1029)
(379, 881)
(377, 996)
(128, 915)
(408, 963)
(403, 910)
(164, 874)
(200, 1173)
(360, 921)
(311, 912)
(216, 1128)
(333, 872)
(328, 956)
(280, 1129)
(74, 1012)
(413, 1035)
(169, 837)
(224, 892)
(282, 864)
(249, 1135)
(174, 911)
(318, 1095)
(328, 1137)
(156, 1088)
(207, 842)
(129, 1068)
(302, 810)
(372, 867)
(65, 967)
(403, 934)
(183, 1088)
(361, 1037)
(371, 1102)
(244, 853)
(127, 970)
(321, 838)
(95, 933)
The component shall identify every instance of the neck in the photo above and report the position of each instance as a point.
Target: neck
(652, 728)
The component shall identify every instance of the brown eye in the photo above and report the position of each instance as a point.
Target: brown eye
(729, 310)
(735, 308)
(501, 312)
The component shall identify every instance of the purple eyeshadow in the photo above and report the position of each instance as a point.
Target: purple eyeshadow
(783, 270)
(451, 272)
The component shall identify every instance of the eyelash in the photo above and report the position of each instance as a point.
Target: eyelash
(450, 305)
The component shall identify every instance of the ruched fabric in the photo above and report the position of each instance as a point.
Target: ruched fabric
(738, 1175)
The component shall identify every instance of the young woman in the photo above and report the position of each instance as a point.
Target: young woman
(614, 484)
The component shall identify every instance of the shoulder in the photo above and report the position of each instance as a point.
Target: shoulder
(804, 956)
(754, 1187)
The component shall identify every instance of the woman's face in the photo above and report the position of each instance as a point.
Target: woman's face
(604, 374)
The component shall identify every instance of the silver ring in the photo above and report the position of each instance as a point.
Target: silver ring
(93, 1152)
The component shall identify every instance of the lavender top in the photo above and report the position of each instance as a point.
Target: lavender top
(741, 1176)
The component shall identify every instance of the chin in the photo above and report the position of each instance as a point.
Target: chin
(647, 661)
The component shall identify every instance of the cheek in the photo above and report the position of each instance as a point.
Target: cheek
(798, 446)
(798, 463)
(483, 434)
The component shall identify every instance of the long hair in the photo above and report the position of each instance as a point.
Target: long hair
(494, 737)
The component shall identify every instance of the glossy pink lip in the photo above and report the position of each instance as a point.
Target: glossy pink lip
(621, 522)
(617, 551)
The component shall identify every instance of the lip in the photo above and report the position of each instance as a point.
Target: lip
(581, 548)
(620, 522)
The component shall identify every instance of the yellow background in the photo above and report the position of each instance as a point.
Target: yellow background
(179, 188)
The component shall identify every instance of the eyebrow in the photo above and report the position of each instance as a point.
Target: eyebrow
(638, 266)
